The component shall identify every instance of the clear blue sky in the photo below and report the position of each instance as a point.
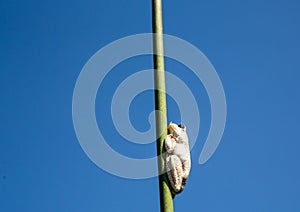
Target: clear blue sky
(254, 46)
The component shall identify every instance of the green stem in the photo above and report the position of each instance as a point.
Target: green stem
(166, 201)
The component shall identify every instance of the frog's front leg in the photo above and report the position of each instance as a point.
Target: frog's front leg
(170, 143)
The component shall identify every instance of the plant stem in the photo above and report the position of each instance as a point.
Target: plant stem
(166, 201)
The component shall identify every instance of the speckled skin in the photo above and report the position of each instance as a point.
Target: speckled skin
(178, 161)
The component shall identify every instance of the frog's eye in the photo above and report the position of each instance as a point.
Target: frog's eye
(180, 125)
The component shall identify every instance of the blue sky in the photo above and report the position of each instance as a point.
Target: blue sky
(253, 45)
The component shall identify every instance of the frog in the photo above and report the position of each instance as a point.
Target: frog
(178, 159)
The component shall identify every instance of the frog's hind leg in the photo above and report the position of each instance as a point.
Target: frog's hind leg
(175, 172)
(186, 167)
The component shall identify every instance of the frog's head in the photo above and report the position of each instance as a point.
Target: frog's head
(176, 130)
